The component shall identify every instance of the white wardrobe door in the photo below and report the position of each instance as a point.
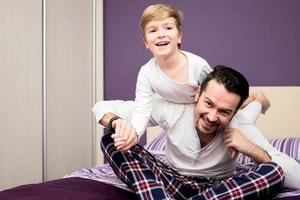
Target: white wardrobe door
(21, 92)
(69, 86)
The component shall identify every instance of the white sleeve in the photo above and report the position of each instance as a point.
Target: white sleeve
(205, 70)
(142, 109)
(290, 167)
(123, 109)
(252, 111)
(246, 116)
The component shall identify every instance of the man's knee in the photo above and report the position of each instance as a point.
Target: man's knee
(275, 171)
(106, 139)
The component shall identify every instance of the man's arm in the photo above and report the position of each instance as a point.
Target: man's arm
(126, 135)
(104, 111)
(233, 138)
(290, 167)
(123, 109)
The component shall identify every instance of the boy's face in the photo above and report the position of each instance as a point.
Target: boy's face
(215, 108)
(162, 37)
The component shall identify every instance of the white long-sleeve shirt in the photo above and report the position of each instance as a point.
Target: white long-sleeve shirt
(151, 79)
(183, 149)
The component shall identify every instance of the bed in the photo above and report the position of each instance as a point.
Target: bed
(101, 183)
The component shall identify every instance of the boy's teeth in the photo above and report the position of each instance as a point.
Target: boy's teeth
(162, 43)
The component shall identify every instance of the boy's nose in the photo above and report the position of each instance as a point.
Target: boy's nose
(161, 33)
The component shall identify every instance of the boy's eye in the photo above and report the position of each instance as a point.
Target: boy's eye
(169, 28)
(151, 30)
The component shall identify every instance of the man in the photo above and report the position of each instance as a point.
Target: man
(201, 150)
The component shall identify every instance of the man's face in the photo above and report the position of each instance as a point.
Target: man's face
(214, 109)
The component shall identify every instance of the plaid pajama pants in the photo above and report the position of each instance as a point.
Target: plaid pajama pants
(150, 178)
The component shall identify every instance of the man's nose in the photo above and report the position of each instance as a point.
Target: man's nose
(212, 116)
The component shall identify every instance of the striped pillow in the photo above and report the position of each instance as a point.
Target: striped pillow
(158, 143)
(289, 146)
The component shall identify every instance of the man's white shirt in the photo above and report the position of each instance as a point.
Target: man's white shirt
(183, 148)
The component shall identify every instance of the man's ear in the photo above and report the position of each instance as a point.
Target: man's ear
(197, 94)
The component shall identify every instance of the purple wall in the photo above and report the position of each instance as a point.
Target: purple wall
(259, 38)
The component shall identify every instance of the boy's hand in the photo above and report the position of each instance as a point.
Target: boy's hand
(263, 100)
(260, 97)
(250, 98)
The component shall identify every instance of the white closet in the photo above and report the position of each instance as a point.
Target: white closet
(47, 84)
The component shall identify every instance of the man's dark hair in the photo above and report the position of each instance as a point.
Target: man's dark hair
(232, 80)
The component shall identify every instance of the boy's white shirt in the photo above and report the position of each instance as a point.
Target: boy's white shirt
(151, 79)
(167, 115)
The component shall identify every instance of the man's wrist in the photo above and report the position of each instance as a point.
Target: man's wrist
(104, 121)
(110, 123)
(259, 155)
(137, 138)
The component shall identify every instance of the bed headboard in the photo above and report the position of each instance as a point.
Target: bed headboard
(282, 119)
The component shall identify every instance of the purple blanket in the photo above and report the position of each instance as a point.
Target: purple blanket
(67, 189)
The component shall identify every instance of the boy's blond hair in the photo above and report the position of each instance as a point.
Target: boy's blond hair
(160, 12)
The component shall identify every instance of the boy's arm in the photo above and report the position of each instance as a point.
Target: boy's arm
(256, 103)
(143, 97)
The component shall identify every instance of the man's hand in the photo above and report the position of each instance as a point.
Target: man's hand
(234, 139)
(125, 135)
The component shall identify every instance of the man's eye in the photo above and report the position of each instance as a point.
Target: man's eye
(207, 104)
(224, 113)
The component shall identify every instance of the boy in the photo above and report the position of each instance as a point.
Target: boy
(171, 73)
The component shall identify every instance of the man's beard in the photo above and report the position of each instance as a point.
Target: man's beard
(213, 126)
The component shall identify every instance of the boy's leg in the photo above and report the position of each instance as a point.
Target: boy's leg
(148, 177)
(261, 181)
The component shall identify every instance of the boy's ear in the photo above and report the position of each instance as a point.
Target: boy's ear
(197, 94)
(146, 44)
(180, 38)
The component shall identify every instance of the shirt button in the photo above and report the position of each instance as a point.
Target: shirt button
(164, 124)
